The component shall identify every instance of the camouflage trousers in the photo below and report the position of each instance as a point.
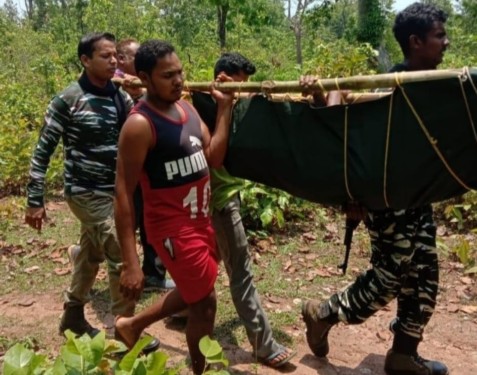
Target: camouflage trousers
(98, 242)
(404, 266)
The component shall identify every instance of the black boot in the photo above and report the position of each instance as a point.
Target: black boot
(319, 320)
(74, 320)
(405, 364)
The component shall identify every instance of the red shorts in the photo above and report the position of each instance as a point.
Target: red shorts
(191, 261)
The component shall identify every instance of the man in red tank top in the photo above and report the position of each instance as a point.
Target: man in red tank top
(166, 147)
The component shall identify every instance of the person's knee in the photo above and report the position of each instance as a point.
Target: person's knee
(391, 265)
(205, 308)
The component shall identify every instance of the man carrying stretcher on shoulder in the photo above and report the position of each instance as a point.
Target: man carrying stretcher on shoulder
(404, 256)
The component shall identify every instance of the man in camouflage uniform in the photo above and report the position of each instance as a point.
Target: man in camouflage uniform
(404, 256)
(87, 116)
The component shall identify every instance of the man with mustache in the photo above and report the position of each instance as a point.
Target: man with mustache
(404, 255)
(87, 116)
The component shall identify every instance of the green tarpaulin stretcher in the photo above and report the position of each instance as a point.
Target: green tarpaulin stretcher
(416, 146)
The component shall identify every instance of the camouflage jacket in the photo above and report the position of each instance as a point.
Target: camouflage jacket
(88, 120)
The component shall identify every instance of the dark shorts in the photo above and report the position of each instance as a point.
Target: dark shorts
(191, 261)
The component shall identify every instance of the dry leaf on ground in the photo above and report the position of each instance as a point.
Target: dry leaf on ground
(468, 309)
(32, 269)
(452, 308)
(27, 302)
(62, 271)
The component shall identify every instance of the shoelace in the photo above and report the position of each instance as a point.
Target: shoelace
(421, 361)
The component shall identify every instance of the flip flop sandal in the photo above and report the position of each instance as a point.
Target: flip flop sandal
(270, 360)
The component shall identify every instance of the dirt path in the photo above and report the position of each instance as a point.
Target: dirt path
(355, 350)
(451, 337)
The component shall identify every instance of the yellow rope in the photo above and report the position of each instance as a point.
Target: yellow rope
(321, 85)
(346, 154)
(342, 99)
(469, 113)
(388, 139)
(467, 72)
(357, 98)
(432, 141)
(240, 88)
(265, 91)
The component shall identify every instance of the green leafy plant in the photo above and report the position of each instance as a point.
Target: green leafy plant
(264, 206)
(463, 211)
(460, 214)
(8, 213)
(19, 360)
(463, 251)
(94, 356)
(214, 356)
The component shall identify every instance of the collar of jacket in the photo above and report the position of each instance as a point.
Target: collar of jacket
(109, 90)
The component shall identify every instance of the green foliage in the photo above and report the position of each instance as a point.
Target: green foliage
(445, 5)
(123, 17)
(19, 360)
(8, 209)
(462, 49)
(214, 356)
(372, 22)
(20, 122)
(264, 207)
(464, 252)
(39, 58)
(464, 212)
(95, 356)
(340, 58)
(333, 21)
(468, 13)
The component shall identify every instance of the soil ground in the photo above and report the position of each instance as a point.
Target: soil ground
(450, 337)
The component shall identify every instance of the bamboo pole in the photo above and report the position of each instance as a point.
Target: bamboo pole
(326, 84)
(350, 98)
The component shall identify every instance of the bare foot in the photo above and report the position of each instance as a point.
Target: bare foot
(124, 332)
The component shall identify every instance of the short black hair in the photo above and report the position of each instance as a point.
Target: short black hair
(87, 43)
(148, 53)
(417, 19)
(233, 63)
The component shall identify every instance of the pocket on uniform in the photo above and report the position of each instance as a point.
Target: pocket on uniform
(168, 245)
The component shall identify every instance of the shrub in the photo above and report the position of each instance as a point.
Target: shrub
(95, 356)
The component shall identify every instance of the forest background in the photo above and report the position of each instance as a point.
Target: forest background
(285, 38)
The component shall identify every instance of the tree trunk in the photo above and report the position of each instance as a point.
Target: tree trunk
(299, 54)
(29, 9)
(296, 24)
(371, 22)
(221, 24)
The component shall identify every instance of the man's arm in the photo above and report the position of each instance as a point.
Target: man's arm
(134, 91)
(215, 145)
(334, 97)
(56, 118)
(134, 142)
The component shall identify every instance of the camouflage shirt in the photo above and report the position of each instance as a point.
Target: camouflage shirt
(88, 120)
